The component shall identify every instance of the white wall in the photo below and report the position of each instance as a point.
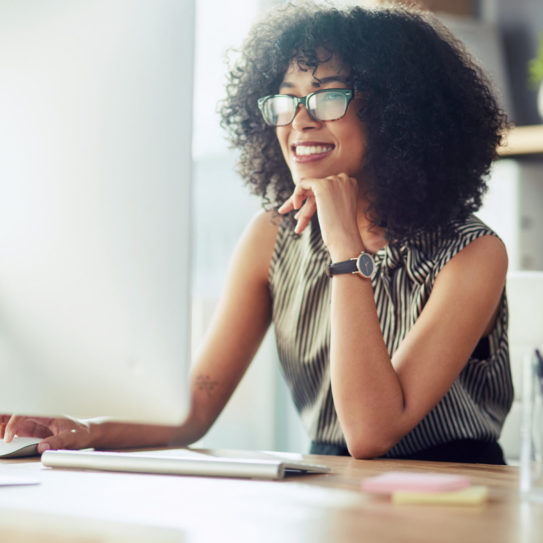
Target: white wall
(513, 208)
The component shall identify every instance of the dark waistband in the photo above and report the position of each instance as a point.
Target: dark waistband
(463, 450)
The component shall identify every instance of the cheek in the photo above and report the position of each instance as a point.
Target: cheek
(287, 155)
(354, 153)
(358, 142)
(282, 138)
(355, 142)
(351, 132)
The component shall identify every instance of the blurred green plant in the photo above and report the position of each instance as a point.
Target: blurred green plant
(535, 66)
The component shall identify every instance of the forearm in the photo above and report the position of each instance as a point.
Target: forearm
(367, 392)
(107, 434)
(204, 409)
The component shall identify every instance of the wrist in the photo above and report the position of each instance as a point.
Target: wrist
(346, 250)
(97, 432)
(363, 266)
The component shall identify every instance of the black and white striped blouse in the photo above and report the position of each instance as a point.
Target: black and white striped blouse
(478, 401)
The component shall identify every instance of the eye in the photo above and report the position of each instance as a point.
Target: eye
(331, 96)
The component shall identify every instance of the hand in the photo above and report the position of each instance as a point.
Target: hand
(57, 433)
(335, 199)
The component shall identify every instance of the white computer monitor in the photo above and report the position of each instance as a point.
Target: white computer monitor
(95, 205)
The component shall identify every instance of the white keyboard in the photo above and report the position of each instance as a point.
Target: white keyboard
(182, 462)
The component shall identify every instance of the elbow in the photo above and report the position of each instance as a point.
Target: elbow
(374, 434)
(365, 445)
(365, 451)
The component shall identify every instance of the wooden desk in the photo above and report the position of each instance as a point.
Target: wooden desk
(313, 509)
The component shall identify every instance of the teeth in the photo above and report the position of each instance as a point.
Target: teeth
(304, 150)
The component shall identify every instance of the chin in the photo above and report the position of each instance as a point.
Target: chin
(312, 172)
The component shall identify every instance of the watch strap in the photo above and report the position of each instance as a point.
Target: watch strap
(347, 266)
(363, 266)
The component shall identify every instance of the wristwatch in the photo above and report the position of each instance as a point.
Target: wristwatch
(362, 265)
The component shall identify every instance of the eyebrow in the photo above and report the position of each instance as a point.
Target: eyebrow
(318, 81)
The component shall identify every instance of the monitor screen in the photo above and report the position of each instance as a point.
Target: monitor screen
(95, 205)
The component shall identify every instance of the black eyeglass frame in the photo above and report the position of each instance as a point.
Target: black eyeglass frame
(347, 93)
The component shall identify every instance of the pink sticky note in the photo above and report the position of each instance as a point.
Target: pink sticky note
(394, 481)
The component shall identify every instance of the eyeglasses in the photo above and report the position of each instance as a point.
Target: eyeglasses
(322, 105)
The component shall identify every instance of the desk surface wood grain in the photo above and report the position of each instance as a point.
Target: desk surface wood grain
(314, 508)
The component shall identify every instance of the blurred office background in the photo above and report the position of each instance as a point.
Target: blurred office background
(501, 34)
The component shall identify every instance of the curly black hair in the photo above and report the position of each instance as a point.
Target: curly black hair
(432, 123)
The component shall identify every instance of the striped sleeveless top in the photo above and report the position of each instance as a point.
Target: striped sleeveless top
(477, 403)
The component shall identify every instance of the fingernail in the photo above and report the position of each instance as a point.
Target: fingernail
(42, 447)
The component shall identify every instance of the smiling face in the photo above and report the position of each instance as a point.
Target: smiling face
(316, 149)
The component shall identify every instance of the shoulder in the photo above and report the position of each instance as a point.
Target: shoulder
(485, 255)
(478, 244)
(472, 248)
(262, 230)
(440, 249)
(255, 248)
(479, 263)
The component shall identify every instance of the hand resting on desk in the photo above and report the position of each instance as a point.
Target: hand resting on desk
(98, 433)
(55, 433)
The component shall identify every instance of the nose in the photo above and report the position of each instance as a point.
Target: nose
(302, 120)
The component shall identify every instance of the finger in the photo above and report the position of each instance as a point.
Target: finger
(33, 428)
(295, 200)
(4, 419)
(300, 195)
(74, 438)
(286, 207)
(52, 443)
(304, 215)
(27, 426)
(11, 427)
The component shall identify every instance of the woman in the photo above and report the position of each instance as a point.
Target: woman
(368, 134)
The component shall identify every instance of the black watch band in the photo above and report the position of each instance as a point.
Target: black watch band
(362, 265)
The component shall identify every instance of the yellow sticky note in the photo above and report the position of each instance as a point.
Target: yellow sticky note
(472, 495)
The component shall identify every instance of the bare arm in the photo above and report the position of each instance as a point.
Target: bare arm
(240, 323)
(379, 400)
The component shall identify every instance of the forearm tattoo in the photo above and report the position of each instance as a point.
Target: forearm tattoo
(206, 384)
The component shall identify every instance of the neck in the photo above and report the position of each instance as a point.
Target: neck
(373, 237)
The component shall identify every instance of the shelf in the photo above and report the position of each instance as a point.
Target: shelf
(523, 140)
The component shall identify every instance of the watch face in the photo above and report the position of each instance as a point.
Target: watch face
(365, 265)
